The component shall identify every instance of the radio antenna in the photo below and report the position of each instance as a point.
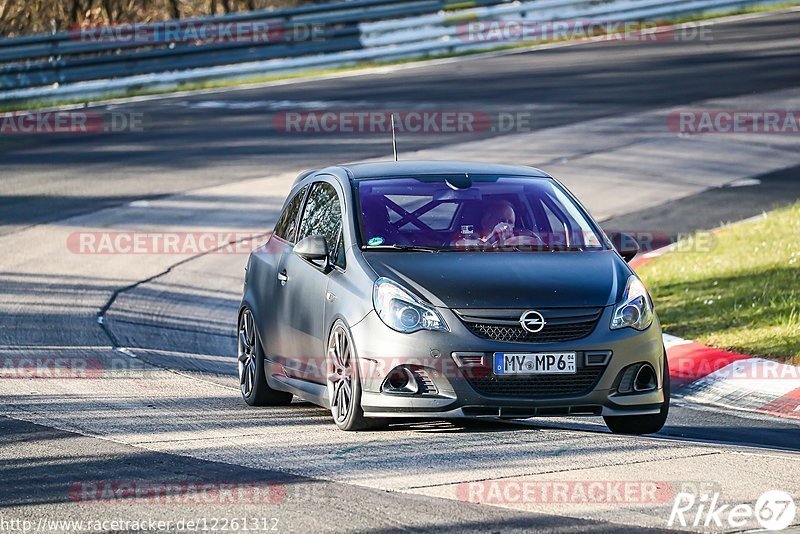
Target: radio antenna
(394, 139)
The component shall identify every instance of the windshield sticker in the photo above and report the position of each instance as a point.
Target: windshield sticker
(375, 241)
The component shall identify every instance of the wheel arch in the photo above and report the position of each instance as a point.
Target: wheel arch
(249, 301)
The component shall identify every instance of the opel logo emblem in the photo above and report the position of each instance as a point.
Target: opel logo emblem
(532, 321)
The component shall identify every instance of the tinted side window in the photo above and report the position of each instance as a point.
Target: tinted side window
(322, 215)
(287, 224)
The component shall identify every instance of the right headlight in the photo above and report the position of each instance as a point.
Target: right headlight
(403, 312)
(635, 310)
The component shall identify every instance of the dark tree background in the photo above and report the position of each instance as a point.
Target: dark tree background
(24, 17)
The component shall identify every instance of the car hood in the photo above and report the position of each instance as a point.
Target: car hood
(507, 280)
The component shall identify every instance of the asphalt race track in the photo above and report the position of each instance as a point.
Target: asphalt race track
(197, 141)
(161, 326)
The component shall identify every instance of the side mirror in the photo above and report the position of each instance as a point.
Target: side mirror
(625, 244)
(313, 248)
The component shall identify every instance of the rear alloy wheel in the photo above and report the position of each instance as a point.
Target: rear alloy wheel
(344, 385)
(252, 380)
(643, 424)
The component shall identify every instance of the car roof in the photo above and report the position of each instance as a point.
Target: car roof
(359, 171)
(393, 169)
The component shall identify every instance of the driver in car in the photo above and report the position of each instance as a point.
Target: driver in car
(496, 230)
(497, 223)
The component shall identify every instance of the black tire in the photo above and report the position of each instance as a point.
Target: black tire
(643, 424)
(344, 383)
(252, 379)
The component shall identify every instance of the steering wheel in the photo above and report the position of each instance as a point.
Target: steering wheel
(525, 238)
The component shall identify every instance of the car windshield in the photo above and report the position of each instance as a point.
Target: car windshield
(471, 213)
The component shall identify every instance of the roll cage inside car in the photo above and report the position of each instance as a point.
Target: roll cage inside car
(531, 214)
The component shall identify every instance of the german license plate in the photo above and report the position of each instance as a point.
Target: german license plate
(534, 363)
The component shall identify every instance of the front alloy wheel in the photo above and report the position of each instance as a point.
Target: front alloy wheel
(252, 380)
(344, 386)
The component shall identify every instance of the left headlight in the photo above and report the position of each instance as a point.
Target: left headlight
(636, 309)
(402, 311)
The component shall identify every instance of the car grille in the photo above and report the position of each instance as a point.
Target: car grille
(535, 386)
(563, 324)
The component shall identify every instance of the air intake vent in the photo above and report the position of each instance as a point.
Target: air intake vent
(469, 359)
(536, 386)
(426, 385)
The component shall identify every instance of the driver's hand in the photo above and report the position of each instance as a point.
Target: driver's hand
(500, 233)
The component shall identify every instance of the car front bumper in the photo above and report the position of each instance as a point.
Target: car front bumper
(381, 349)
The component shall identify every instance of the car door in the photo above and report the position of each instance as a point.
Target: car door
(300, 299)
(265, 265)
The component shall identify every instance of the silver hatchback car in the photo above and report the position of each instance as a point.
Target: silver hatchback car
(448, 290)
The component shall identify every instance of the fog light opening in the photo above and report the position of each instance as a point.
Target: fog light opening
(400, 380)
(645, 378)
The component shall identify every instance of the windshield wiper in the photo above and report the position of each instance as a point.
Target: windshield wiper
(410, 248)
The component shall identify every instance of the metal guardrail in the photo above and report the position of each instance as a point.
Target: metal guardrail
(344, 33)
(68, 57)
(318, 10)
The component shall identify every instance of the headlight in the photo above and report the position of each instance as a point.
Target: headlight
(403, 312)
(635, 309)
